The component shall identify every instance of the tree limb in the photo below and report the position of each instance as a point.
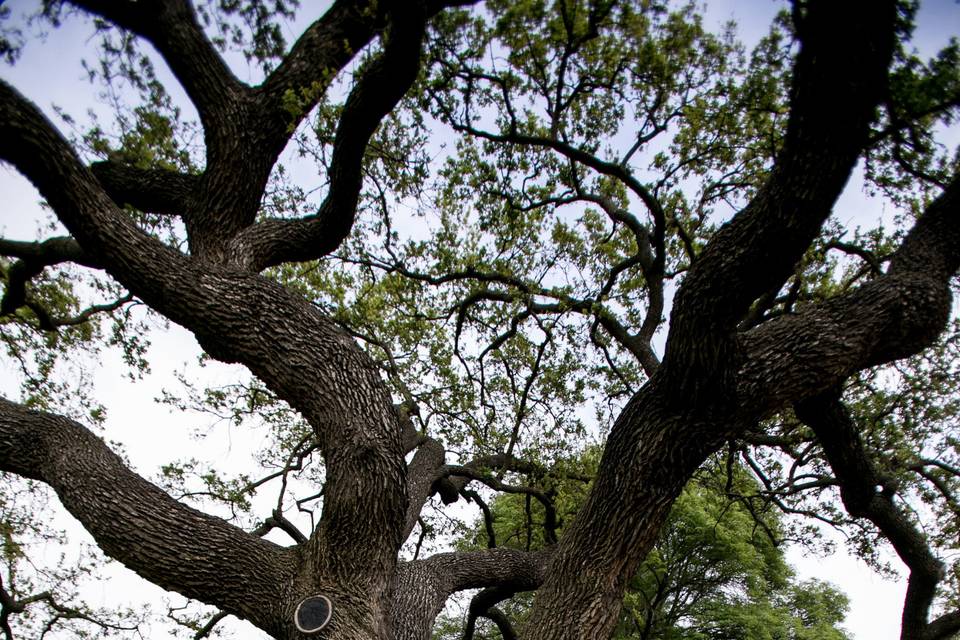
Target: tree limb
(475, 497)
(207, 628)
(277, 521)
(241, 317)
(373, 96)
(943, 628)
(34, 257)
(484, 604)
(149, 190)
(868, 494)
(313, 62)
(691, 406)
(421, 473)
(890, 317)
(839, 77)
(172, 27)
(133, 521)
(423, 586)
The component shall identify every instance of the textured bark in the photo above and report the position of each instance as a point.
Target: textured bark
(372, 97)
(298, 353)
(421, 474)
(423, 586)
(150, 190)
(237, 316)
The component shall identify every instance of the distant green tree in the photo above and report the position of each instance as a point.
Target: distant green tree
(717, 571)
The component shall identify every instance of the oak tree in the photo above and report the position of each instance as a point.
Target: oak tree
(529, 211)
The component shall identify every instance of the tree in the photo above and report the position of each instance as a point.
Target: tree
(615, 163)
(713, 572)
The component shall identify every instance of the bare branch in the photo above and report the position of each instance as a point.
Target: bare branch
(207, 628)
(474, 497)
(550, 513)
(860, 252)
(277, 521)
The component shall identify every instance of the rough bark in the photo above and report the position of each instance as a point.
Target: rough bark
(302, 356)
(423, 586)
(150, 190)
(237, 316)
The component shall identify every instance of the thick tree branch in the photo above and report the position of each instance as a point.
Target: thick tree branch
(839, 77)
(322, 51)
(491, 567)
(40, 153)
(503, 623)
(313, 62)
(136, 523)
(375, 94)
(484, 604)
(421, 473)
(423, 586)
(172, 27)
(149, 190)
(241, 317)
(691, 405)
(237, 165)
(890, 317)
(49, 252)
(943, 628)
(34, 257)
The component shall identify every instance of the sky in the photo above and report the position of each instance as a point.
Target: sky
(49, 73)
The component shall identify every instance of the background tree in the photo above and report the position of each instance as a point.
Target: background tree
(433, 319)
(716, 571)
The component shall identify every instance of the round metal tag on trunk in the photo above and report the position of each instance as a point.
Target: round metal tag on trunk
(313, 613)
